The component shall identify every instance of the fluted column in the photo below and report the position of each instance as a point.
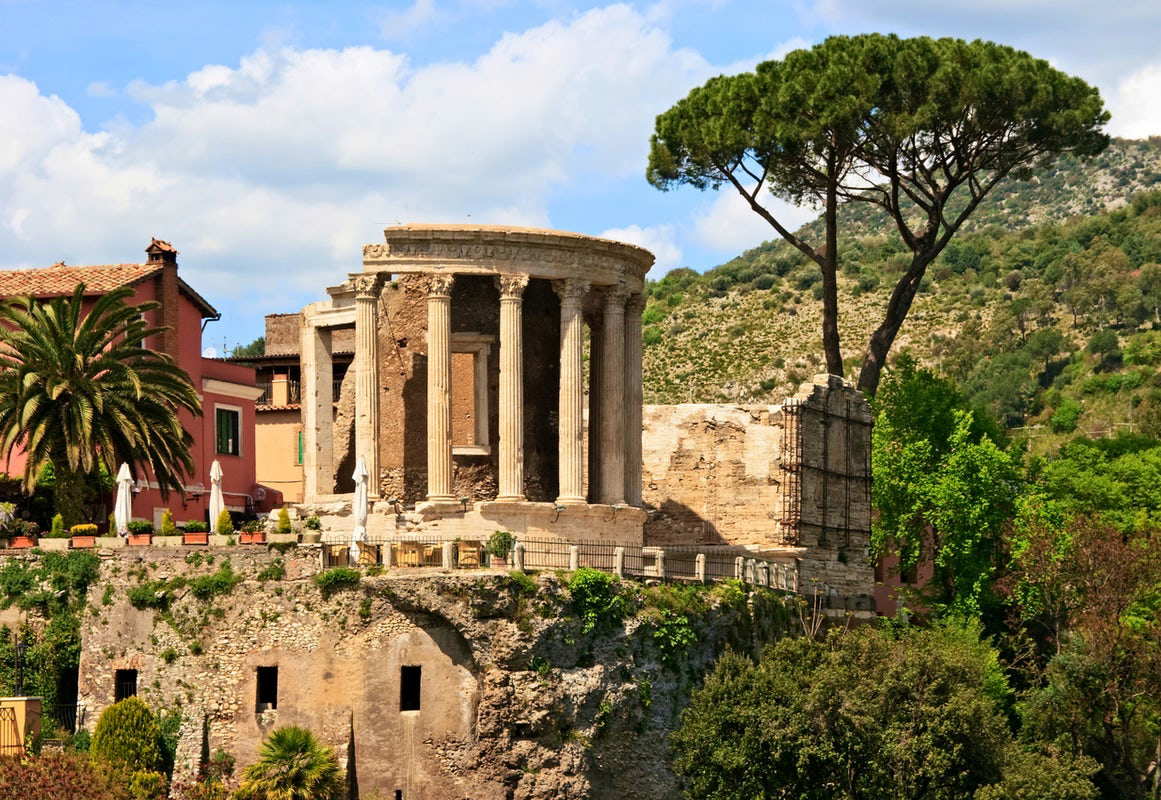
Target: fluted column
(511, 387)
(596, 354)
(570, 427)
(366, 375)
(439, 463)
(633, 399)
(612, 488)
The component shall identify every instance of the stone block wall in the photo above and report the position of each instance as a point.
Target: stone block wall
(792, 478)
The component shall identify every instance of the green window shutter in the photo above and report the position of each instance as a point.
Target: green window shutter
(228, 424)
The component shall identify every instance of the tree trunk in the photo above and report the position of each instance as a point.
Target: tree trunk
(830, 333)
(884, 336)
(69, 495)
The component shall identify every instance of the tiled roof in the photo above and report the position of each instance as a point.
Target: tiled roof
(60, 280)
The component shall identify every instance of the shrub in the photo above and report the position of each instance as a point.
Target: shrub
(251, 526)
(59, 775)
(58, 528)
(597, 599)
(140, 526)
(336, 580)
(206, 587)
(522, 583)
(292, 765)
(283, 521)
(673, 634)
(275, 572)
(195, 526)
(167, 526)
(500, 544)
(84, 529)
(1066, 416)
(127, 736)
(224, 526)
(313, 523)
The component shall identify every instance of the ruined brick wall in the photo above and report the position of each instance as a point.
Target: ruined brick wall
(793, 478)
(283, 334)
(402, 372)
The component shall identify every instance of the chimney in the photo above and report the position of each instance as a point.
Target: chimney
(165, 254)
(161, 252)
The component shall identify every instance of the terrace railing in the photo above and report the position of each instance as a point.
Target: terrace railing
(686, 563)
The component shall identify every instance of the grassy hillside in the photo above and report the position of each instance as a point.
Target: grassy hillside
(1010, 309)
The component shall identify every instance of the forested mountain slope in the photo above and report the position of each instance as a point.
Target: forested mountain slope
(1044, 304)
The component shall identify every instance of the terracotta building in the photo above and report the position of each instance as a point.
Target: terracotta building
(224, 431)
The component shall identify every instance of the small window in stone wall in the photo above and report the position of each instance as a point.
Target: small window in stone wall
(267, 680)
(124, 684)
(410, 679)
(398, 794)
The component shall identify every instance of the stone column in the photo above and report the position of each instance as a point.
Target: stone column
(367, 375)
(439, 463)
(634, 397)
(596, 354)
(612, 489)
(317, 377)
(511, 487)
(571, 424)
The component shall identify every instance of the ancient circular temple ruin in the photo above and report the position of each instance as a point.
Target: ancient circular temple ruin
(470, 382)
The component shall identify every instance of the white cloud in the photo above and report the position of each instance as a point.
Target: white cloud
(729, 225)
(660, 240)
(1136, 104)
(287, 162)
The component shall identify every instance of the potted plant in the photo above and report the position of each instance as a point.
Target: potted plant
(140, 533)
(252, 532)
(195, 532)
(499, 546)
(313, 526)
(23, 533)
(224, 528)
(83, 536)
(168, 531)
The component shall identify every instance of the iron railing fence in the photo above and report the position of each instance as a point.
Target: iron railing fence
(674, 563)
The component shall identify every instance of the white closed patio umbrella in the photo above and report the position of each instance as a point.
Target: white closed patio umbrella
(359, 506)
(217, 502)
(123, 506)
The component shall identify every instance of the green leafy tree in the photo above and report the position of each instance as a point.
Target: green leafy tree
(78, 391)
(128, 736)
(943, 487)
(292, 765)
(922, 128)
(251, 350)
(868, 713)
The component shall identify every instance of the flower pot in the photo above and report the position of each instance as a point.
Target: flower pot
(252, 537)
(83, 542)
(195, 537)
(140, 539)
(22, 541)
(311, 537)
(498, 562)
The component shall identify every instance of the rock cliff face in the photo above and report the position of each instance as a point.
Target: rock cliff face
(517, 699)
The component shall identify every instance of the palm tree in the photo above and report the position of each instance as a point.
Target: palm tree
(80, 391)
(292, 765)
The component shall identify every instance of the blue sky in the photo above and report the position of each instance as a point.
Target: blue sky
(269, 141)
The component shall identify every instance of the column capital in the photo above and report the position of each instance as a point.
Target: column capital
(571, 290)
(635, 304)
(367, 285)
(615, 297)
(512, 285)
(439, 284)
